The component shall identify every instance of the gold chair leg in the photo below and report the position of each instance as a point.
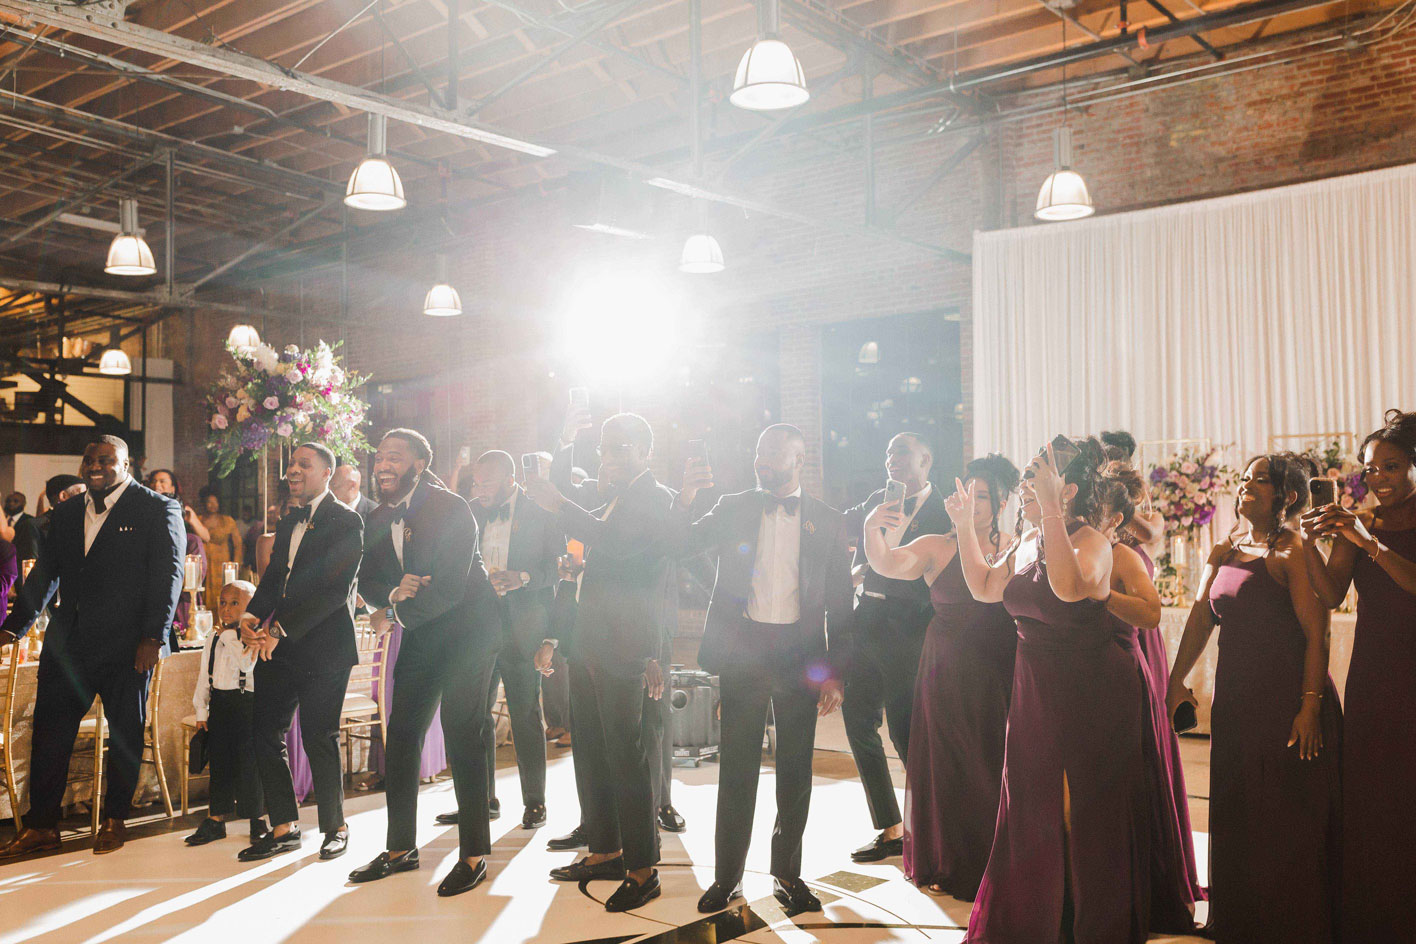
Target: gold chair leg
(99, 737)
(184, 777)
(161, 772)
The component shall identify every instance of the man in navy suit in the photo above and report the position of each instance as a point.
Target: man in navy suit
(115, 557)
(783, 569)
(306, 652)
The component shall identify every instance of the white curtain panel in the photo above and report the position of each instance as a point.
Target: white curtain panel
(1281, 312)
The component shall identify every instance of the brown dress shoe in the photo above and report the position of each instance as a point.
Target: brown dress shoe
(30, 840)
(112, 833)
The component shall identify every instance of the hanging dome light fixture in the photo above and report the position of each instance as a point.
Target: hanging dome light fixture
(375, 184)
(442, 300)
(769, 76)
(244, 338)
(701, 255)
(1064, 194)
(129, 253)
(114, 363)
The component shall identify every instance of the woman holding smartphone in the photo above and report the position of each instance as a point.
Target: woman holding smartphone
(1070, 849)
(955, 765)
(1276, 725)
(1376, 550)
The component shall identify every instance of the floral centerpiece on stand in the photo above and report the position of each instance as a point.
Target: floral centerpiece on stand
(1342, 469)
(281, 398)
(1186, 489)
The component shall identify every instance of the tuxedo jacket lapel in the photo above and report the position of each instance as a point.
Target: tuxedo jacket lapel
(118, 516)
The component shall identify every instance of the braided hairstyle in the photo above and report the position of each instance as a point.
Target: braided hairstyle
(1399, 429)
(1287, 472)
(1001, 477)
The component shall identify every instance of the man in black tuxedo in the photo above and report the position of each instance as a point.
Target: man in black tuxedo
(627, 593)
(891, 620)
(33, 529)
(115, 557)
(783, 569)
(306, 650)
(423, 570)
(345, 485)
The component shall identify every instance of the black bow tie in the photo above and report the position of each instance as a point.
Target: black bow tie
(297, 515)
(100, 499)
(771, 503)
(500, 513)
(909, 505)
(399, 512)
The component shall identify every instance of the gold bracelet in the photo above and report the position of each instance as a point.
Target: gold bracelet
(1058, 517)
(1319, 694)
(1378, 552)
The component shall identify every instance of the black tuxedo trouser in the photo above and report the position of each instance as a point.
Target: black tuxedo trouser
(746, 691)
(555, 694)
(528, 733)
(235, 785)
(658, 735)
(881, 681)
(611, 767)
(65, 693)
(280, 689)
(451, 666)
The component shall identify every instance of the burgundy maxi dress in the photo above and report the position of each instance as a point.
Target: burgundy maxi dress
(955, 767)
(1075, 712)
(1379, 757)
(1274, 817)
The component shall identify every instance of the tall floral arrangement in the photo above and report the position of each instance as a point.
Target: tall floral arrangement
(279, 398)
(1187, 488)
(1342, 469)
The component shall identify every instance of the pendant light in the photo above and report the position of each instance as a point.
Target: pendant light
(1064, 194)
(769, 76)
(375, 184)
(243, 338)
(114, 363)
(442, 300)
(129, 254)
(701, 255)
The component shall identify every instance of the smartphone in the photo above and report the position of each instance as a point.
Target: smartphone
(464, 455)
(894, 492)
(1064, 453)
(530, 466)
(1184, 719)
(580, 398)
(1323, 490)
(698, 450)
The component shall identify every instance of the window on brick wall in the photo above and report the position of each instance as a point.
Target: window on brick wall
(881, 376)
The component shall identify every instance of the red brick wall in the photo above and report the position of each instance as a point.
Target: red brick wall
(1318, 117)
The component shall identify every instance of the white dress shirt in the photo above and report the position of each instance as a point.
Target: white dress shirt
(297, 534)
(93, 522)
(894, 536)
(496, 537)
(231, 670)
(775, 594)
(398, 526)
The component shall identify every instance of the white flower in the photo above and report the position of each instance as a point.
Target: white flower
(266, 358)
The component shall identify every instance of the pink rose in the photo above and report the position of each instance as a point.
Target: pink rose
(284, 429)
(271, 403)
(231, 402)
(218, 422)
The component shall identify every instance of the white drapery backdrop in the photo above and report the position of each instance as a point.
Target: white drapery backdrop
(1282, 312)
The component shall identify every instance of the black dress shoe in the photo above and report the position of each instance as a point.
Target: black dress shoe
(462, 878)
(335, 844)
(575, 839)
(446, 819)
(494, 809)
(582, 871)
(794, 896)
(534, 817)
(879, 848)
(258, 828)
(670, 820)
(270, 845)
(385, 865)
(209, 831)
(631, 894)
(717, 896)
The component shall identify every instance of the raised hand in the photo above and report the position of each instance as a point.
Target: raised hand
(960, 505)
(543, 493)
(885, 517)
(1047, 484)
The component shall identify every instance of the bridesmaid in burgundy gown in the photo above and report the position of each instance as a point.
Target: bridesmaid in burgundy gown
(955, 766)
(1276, 725)
(1377, 552)
(1134, 605)
(1069, 858)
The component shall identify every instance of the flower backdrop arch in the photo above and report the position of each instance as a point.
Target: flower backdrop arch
(282, 399)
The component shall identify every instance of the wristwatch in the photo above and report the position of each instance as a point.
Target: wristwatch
(389, 615)
(525, 578)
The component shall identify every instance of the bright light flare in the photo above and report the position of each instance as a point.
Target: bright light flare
(622, 326)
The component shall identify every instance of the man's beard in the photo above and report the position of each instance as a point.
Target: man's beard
(404, 485)
(770, 480)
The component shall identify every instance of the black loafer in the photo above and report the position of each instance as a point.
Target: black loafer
(270, 845)
(534, 817)
(494, 809)
(718, 895)
(335, 844)
(583, 872)
(575, 839)
(631, 894)
(446, 819)
(209, 831)
(670, 820)
(462, 878)
(794, 896)
(258, 828)
(383, 866)
(879, 848)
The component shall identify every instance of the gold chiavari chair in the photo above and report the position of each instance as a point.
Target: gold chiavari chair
(152, 745)
(361, 711)
(7, 733)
